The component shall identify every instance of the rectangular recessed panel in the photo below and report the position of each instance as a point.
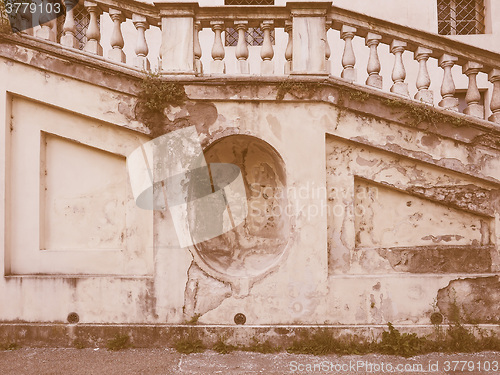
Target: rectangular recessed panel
(83, 196)
(70, 209)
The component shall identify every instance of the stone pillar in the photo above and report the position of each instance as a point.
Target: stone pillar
(117, 42)
(93, 33)
(398, 71)
(218, 66)
(289, 47)
(423, 79)
(448, 101)
(177, 45)
(69, 28)
(473, 96)
(141, 46)
(494, 78)
(348, 58)
(242, 47)
(308, 37)
(374, 79)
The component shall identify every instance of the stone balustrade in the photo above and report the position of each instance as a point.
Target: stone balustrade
(305, 50)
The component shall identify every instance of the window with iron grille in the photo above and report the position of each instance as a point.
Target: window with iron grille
(248, 2)
(460, 17)
(82, 19)
(254, 36)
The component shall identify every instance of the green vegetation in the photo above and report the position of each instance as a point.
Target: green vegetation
(194, 319)
(190, 344)
(79, 344)
(454, 338)
(154, 96)
(10, 346)
(258, 347)
(406, 344)
(157, 93)
(222, 348)
(119, 342)
(300, 90)
(4, 19)
(323, 342)
(418, 113)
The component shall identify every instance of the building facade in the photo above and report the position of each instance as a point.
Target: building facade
(367, 141)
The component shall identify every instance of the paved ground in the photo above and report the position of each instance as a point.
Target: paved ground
(45, 361)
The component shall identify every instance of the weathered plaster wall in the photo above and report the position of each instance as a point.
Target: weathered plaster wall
(379, 218)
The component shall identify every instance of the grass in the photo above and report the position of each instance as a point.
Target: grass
(79, 344)
(455, 338)
(190, 344)
(299, 89)
(222, 347)
(10, 346)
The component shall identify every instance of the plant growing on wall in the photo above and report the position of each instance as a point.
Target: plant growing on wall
(154, 96)
(4, 20)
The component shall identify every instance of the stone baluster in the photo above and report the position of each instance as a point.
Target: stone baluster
(198, 66)
(266, 51)
(328, 50)
(423, 82)
(46, 31)
(218, 66)
(69, 28)
(448, 101)
(141, 47)
(398, 72)
(289, 47)
(116, 53)
(374, 79)
(93, 34)
(347, 33)
(494, 77)
(242, 47)
(473, 96)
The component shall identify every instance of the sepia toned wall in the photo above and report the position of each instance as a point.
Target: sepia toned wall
(358, 216)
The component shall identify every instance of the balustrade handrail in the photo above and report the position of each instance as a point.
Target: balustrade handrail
(252, 14)
(307, 50)
(130, 7)
(414, 37)
(280, 14)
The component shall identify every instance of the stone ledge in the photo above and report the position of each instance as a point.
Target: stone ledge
(365, 100)
(154, 336)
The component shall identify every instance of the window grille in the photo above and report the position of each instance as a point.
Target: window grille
(253, 35)
(460, 17)
(82, 19)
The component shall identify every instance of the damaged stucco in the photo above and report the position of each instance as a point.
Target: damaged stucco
(471, 300)
(358, 216)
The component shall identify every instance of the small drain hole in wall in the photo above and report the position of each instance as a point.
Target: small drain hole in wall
(73, 318)
(436, 318)
(240, 319)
